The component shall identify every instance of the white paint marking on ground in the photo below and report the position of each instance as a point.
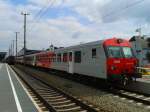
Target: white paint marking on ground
(36, 105)
(14, 92)
(1, 66)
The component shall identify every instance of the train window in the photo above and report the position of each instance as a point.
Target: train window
(94, 53)
(77, 57)
(54, 56)
(58, 57)
(70, 56)
(65, 57)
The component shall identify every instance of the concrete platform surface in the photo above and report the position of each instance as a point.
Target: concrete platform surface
(13, 97)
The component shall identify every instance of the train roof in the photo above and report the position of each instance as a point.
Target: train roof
(81, 45)
(94, 43)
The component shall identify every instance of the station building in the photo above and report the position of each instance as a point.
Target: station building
(141, 48)
(2, 55)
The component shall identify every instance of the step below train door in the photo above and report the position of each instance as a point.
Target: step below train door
(71, 62)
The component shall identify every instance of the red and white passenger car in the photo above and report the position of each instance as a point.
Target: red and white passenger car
(110, 59)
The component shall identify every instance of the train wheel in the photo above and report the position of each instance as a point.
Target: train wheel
(125, 81)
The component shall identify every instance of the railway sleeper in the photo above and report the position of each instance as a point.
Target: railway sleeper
(43, 108)
(50, 95)
(83, 111)
(140, 96)
(57, 100)
(137, 96)
(46, 90)
(61, 102)
(64, 105)
(148, 99)
(37, 87)
(74, 109)
(54, 97)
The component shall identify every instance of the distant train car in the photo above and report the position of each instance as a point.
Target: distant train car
(43, 59)
(30, 59)
(110, 59)
(10, 60)
(19, 60)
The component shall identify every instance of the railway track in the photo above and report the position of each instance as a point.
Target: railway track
(54, 99)
(132, 96)
(140, 99)
(137, 96)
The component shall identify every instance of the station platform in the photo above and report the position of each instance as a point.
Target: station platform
(145, 78)
(142, 85)
(13, 95)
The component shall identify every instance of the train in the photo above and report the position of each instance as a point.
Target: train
(110, 59)
(10, 60)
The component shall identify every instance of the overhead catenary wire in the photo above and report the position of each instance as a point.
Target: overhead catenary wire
(38, 14)
(41, 13)
(124, 8)
(51, 3)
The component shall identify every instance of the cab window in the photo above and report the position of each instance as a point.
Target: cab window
(114, 52)
(127, 52)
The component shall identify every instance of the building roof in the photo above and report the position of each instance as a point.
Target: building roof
(142, 40)
(28, 52)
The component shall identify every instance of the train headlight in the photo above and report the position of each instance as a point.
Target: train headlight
(113, 67)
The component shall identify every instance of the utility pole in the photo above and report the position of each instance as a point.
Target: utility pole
(139, 31)
(13, 47)
(9, 50)
(25, 17)
(16, 42)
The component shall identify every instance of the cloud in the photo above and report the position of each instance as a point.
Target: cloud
(61, 32)
(39, 2)
(78, 21)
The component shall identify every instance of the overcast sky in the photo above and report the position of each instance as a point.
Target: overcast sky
(70, 22)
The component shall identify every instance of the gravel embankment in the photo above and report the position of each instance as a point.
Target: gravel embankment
(97, 97)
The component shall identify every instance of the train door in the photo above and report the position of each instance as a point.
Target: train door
(71, 63)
